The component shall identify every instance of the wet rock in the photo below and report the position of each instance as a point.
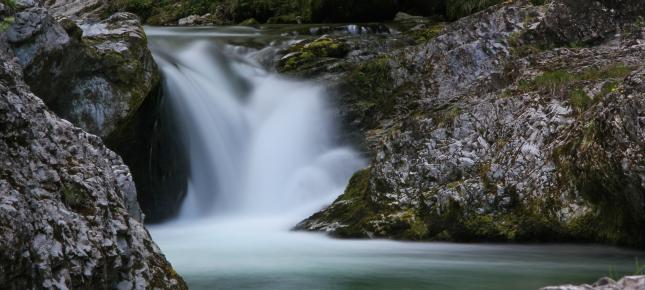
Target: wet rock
(108, 72)
(478, 142)
(68, 214)
(194, 20)
(626, 283)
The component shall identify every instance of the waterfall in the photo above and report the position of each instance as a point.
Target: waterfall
(258, 144)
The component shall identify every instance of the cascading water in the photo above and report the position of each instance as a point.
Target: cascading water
(263, 156)
(258, 144)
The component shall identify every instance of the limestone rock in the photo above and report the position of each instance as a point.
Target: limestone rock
(473, 139)
(68, 218)
(626, 283)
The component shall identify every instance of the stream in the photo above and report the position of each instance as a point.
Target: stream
(264, 154)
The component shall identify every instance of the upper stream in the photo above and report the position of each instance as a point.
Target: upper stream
(264, 153)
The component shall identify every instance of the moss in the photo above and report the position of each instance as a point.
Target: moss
(371, 83)
(615, 215)
(426, 34)
(6, 23)
(447, 117)
(76, 198)
(250, 22)
(303, 56)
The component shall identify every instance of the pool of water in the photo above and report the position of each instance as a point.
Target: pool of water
(263, 254)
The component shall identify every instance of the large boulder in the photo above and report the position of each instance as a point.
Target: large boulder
(95, 76)
(490, 137)
(68, 212)
(97, 72)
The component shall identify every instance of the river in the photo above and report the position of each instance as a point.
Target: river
(264, 154)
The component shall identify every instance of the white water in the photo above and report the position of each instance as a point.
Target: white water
(263, 156)
(258, 144)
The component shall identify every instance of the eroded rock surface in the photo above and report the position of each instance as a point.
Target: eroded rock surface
(68, 212)
(95, 74)
(492, 130)
(626, 283)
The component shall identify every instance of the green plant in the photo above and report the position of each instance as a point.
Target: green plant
(460, 8)
(638, 268)
(579, 99)
(11, 4)
(6, 23)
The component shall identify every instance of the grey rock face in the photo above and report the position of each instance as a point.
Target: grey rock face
(107, 71)
(487, 143)
(626, 283)
(66, 210)
(78, 9)
(97, 74)
(35, 33)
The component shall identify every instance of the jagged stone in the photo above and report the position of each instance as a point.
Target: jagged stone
(68, 212)
(474, 140)
(626, 283)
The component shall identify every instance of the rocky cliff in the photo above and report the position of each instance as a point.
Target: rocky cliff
(68, 209)
(520, 123)
(95, 70)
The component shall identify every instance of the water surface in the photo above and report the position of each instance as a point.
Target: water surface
(264, 154)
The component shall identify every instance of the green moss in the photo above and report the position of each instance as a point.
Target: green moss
(76, 198)
(582, 162)
(249, 22)
(372, 84)
(305, 55)
(447, 116)
(6, 23)
(426, 34)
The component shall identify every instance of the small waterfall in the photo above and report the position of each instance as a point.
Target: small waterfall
(258, 144)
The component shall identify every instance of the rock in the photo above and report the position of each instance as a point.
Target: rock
(108, 75)
(108, 72)
(68, 214)
(249, 22)
(82, 10)
(581, 22)
(312, 53)
(193, 20)
(626, 283)
(404, 17)
(472, 140)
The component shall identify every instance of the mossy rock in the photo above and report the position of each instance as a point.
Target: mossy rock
(249, 22)
(308, 54)
(77, 198)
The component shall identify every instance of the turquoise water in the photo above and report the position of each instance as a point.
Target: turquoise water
(263, 254)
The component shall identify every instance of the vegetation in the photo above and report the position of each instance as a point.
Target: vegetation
(6, 21)
(294, 11)
(460, 8)
(426, 34)
(562, 81)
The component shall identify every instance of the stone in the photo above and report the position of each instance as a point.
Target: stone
(481, 137)
(626, 283)
(68, 211)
